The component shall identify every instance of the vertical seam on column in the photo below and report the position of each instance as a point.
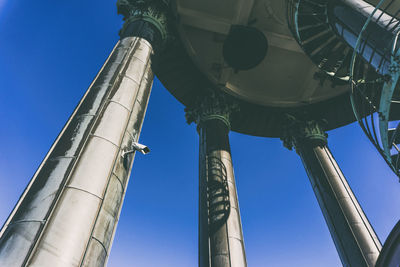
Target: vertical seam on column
(54, 144)
(226, 223)
(133, 48)
(341, 208)
(206, 204)
(233, 182)
(49, 213)
(238, 213)
(118, 81)
(148, 69)
(348, 190)
(149, 88)
(100, 110)
(227, 240)
(326, 209)
(202, 168)
(361, 211)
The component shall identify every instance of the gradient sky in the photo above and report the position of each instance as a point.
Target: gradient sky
(49, 53)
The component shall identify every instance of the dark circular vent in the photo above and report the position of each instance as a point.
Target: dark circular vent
(245, 47)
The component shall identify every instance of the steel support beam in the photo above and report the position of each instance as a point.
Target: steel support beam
(354, 237)
(220, 231)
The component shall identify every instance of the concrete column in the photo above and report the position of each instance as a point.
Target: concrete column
(68, 213)
(389, 256)
(220, 231)
(354, 237)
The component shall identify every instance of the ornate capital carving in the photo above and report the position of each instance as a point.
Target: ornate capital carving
(214, 106)
(297, 132)
(152, 11)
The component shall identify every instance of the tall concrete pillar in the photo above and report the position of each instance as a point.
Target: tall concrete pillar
(68, 213)
(354, 237)
(220, 230)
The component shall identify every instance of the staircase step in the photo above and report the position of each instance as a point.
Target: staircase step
(331, 62)
(313, 31)
(314, 3)
(328, 43)
(326, 32)
(306, 27)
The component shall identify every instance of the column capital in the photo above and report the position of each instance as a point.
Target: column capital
(298, 131)
(210, 107)
(154, 12)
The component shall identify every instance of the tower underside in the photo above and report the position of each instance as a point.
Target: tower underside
(246, 66)
(294, 84)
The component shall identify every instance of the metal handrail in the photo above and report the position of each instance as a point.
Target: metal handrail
(387, 85)
(374, 62)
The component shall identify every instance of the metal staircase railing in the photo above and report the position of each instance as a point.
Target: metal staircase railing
(375, 88)
(218, 193)
(337, 34)
(309, 23)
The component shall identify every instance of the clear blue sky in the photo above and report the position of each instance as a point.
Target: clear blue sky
(49, 53)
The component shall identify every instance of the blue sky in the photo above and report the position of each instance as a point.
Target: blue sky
(49, 53)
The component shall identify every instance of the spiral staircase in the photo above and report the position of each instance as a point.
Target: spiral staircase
(309, 23)
(357, 42)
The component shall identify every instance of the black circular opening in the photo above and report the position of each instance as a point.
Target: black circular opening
(245, 47)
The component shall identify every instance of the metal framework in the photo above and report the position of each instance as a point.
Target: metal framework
(68, 214)
(309, 23)
(354, 41)
(375, 92)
